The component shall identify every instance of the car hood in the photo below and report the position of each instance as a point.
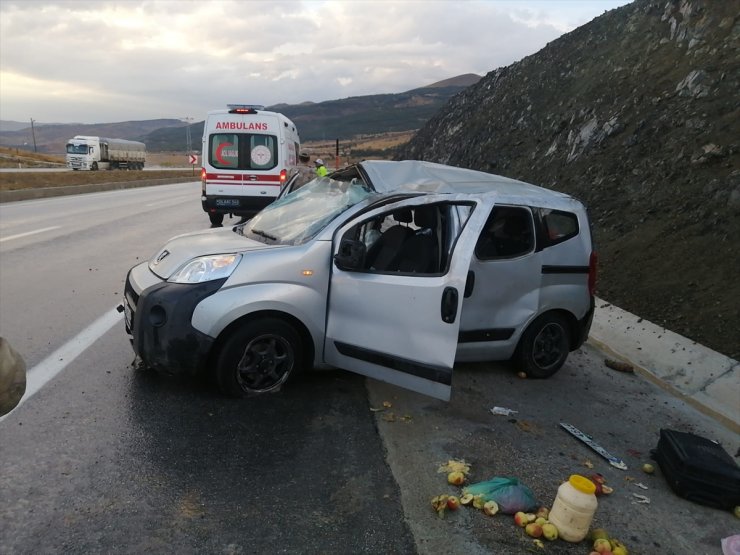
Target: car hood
(183, 248)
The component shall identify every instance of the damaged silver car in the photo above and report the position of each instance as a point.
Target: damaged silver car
(394, 270)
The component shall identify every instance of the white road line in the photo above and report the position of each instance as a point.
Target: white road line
(34, 232)
(38, 376)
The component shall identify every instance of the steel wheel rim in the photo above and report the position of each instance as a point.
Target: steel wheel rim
(265, 364)
(549, 346)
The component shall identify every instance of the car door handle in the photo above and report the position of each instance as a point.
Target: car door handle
(449, 305)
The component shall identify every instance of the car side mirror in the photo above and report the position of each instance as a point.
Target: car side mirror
(351, 255)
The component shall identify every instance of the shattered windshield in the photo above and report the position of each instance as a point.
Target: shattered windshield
(300, 215)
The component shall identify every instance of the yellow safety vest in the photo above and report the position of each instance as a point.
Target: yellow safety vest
(321, 171)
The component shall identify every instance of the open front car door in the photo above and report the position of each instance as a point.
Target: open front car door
(396, 291)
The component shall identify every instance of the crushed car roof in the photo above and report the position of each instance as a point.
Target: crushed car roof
(427, 177)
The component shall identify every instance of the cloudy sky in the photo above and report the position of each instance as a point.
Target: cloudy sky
(107, 61)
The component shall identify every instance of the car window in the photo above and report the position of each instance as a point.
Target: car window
(242, 151)
(411, 240)
(508, 233)
(559, 225)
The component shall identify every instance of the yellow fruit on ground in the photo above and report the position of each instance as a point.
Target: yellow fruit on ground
(490, 508)
(456, 478)
(550, 531)
(599, 534)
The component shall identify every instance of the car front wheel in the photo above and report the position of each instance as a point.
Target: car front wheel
(544, 346)
(258, 357)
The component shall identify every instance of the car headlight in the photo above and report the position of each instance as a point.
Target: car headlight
(206, 268)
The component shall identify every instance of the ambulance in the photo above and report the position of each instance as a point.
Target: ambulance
(247, 156)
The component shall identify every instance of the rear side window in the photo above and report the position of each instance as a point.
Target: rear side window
(559, 226)
(242, 151)
(508, 233)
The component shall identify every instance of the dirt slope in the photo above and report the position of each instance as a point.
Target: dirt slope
(637, 114)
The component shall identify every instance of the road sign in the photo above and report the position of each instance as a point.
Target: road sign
(192, 159)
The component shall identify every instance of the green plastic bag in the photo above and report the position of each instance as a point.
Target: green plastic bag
(508, 493)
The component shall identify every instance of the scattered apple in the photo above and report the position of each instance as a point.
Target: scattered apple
(522, 375)
(439, 502)
(599, 533)
(540, 520)
(606, 490)
(533, 529)
(456, 478)
(466, 499)
(618, 548)
(490, 508)
(521, 519)
(453, 503)
(550, 531)
(602, 545)
(478, 501)
(648, 468)
(539, 544)
(544, 512)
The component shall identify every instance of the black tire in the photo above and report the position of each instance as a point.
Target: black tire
(216, 219)
(94, 166)
(258, 357)
(544, 346)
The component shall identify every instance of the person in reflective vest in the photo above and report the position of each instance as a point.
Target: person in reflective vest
(304, 169)
(321, 170)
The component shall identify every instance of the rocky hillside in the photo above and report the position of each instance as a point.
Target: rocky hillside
(637, 114)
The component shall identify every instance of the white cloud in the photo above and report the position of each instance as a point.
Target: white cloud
(142, 59)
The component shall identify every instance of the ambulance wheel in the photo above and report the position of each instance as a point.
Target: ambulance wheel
(216, 219)
(544, 346)
(258, 357)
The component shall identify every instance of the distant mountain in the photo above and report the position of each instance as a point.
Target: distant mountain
(636, 113)
(332, 119)
(460, 81)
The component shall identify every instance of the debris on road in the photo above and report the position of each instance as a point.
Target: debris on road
(614, 461)
(640, 498)
(454, 465)
(503, 411)
(508, 493)
(619, 366)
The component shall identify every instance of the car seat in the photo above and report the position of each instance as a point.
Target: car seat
(383, 255)
(420, 253)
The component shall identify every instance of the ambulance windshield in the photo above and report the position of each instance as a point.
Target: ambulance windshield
(300, 215)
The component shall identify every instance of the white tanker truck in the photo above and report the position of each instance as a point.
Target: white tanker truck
(99, 153)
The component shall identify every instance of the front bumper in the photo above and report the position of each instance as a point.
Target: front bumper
(159, 323)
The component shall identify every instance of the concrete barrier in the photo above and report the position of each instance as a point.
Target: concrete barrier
(706, 379)
(46, 192)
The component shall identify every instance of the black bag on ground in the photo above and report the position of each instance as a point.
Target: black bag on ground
(698, 469)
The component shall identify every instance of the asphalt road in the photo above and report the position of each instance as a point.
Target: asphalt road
(106, 458)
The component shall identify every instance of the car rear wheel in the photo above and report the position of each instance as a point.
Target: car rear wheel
(544, 346)
(258, 357)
